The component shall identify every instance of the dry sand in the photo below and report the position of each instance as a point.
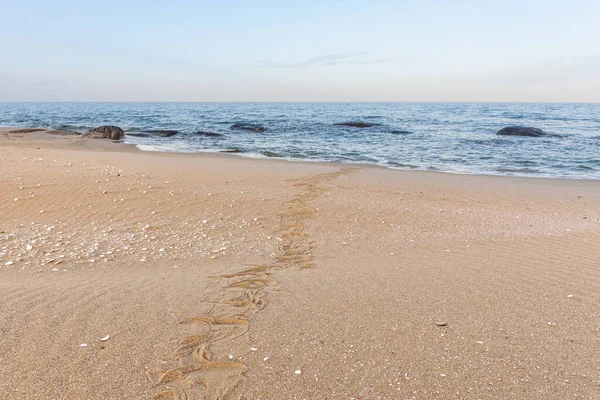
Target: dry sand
(220, 277)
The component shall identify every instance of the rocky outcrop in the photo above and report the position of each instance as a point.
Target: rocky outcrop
(249, 127)
(521, 131)
(356, 124)
(105, 132)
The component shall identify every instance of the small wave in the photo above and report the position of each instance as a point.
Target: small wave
(401, 165)
(526, 163)
(401, 132)
(208, 134)
(161, 132)
(494, 141)
(584, 168)
(303, 156)
(511, 170)
(272, 154)
(514, 116)
(147, 147)
(68, 127)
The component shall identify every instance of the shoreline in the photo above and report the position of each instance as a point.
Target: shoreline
(130, 147)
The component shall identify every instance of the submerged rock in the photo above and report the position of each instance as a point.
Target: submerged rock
(356, 124)
(105, 132)
(208, 134)
(249, 127)
(161, 132)
(521, 131)
(137, 134)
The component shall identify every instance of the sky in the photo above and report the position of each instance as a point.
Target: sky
(268, 50)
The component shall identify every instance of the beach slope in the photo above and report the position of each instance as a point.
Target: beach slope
(139, 275)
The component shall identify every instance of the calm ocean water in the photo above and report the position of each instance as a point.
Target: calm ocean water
(451, 137)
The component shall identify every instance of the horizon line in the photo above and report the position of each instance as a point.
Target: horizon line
(298, 102)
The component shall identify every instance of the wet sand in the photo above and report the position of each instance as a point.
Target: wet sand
(215, 276)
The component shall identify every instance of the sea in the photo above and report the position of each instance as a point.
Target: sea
(448, 137)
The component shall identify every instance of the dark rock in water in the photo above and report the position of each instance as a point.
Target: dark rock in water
(105, 132)
(356, 124)
(64, 133)
(231, 151)
(161, 132)
(208, 134)
(137, 134)
(249, 127)
(521, 131)
(27, 130)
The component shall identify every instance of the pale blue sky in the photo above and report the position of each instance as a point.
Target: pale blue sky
(267, 50)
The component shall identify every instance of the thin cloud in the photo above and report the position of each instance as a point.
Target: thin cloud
(327, 60)
(28, 80)
(560, 69)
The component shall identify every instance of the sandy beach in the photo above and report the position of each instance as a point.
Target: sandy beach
(139, 275)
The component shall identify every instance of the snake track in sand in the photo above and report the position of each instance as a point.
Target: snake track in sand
(201, 373)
